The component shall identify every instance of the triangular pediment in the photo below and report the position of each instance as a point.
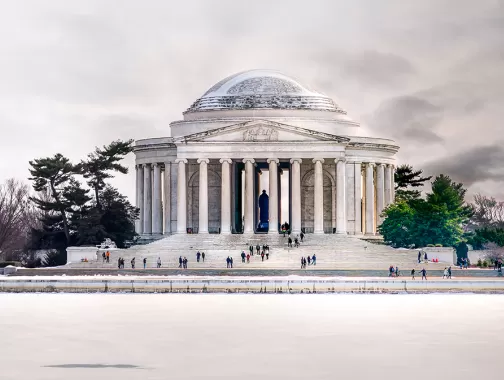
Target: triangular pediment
(260, 131)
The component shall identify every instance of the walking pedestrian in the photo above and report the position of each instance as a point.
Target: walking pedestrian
(103, 256)
(413, 274)
(314, 260)
(301, 235)
(267, 255)
(262, 256)
(424, 274)
(203, 256)
(185, 262)
(397, 271)
(198, 255)
(119, 263)
(248, 258)
(289, 242)
(302, 262)
(251, 249)
(231, 261)
(296, 242)
(227, 262)
(133, 263)
(243, 256)
(449, 272)
(258, 248)
(419, 256)
(159, 262)
(309, 260)
(445, 273)
(145, 262)
(108, 257)
(180, 262)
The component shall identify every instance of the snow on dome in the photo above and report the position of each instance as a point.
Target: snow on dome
(262, 89)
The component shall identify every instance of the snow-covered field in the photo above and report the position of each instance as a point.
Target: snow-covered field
(199, 336)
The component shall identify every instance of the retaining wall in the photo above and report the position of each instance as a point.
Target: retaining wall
(244, 285)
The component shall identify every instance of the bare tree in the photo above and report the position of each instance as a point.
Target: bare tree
(494, 253)
(488, 212)
(14, 216)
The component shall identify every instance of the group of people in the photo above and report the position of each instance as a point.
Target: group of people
(308, 261)
(106, 257)
(200, 255)
(182, 262)
(229, 262)
(265, 249)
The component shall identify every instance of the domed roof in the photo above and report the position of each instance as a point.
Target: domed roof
(262, 89)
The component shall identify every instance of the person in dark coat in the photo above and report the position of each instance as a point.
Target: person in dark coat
(424, 274)
(180, 262)
(203, 256)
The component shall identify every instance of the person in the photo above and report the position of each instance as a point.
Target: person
(499, 269)
(296, 242)
(302, 262)
(184, 262)
(397, 271)
(159, 262)
(449, 272)
(243, 256)
(203, 256)
(251, 249)
(119, 263)
(103, 256)
(301, 236)
(145, 262)
(133, 263)
(198, 255)
(309, 260)
(314, 259)
(231, 262)
(424, 274)
(122, 263)
(180, 262)
(262, 256)
(258, 248)
(425, 257)
(445, 273)
(227, 262)
(289, 242)
(267, 255)
(419, 256)
(413, 274)
(108, 257)
(248, 258)
(391, 271)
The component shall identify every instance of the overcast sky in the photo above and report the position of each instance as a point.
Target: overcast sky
(427, 73)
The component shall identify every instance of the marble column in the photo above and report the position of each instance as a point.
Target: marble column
(157, 205)
(226, 196)
(181, 196)
(167, 198)
(147, 200)
(370, 201)
(358, 198)
(273, 194)
(388, 184)
(340, 195)
(380, 191)
(296, 195)
(249, 195)
(203, 195)
(139, 198)
(318, 193)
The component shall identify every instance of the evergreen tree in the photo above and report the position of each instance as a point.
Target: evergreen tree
(407, 180)
(51, 175)
(100, 163)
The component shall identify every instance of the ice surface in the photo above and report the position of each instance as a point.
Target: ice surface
(176, 336)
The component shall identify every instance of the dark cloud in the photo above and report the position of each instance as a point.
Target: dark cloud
(474, 165)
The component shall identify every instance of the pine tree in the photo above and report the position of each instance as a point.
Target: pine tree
(51, 175)
(406, 180)
(100, 163)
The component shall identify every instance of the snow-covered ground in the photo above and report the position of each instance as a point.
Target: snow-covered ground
(200, 336)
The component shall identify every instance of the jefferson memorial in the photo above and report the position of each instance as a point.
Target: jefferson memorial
(259, 149)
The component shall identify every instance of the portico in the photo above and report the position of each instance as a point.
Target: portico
(205, 178)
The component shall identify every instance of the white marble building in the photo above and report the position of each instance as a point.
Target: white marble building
(263, 121)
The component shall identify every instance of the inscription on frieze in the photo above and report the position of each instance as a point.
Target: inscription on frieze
(260, 134)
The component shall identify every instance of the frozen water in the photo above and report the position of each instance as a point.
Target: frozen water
(177, 336)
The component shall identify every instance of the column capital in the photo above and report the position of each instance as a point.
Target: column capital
(179, 160)
(227, 160)
(315, 160)
(298, 160)
(392, 166)
(370, 164)
(275, 160)
(338, 159)
(251, 160)
(155, 164)
(203, 161)
(381, 164)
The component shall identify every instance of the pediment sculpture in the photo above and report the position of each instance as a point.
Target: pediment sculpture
(260, 133)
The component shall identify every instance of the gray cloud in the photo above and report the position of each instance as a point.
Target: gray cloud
(474, 165)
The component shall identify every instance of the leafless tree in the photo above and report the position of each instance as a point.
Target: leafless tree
(494, 253)
(14, 216)
(488, 212)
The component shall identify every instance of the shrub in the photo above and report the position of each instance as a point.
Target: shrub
(479, 264)
(485, 264)
(439, 245)
(430, 245)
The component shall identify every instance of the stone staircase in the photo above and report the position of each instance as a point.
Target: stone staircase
(332, 251)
